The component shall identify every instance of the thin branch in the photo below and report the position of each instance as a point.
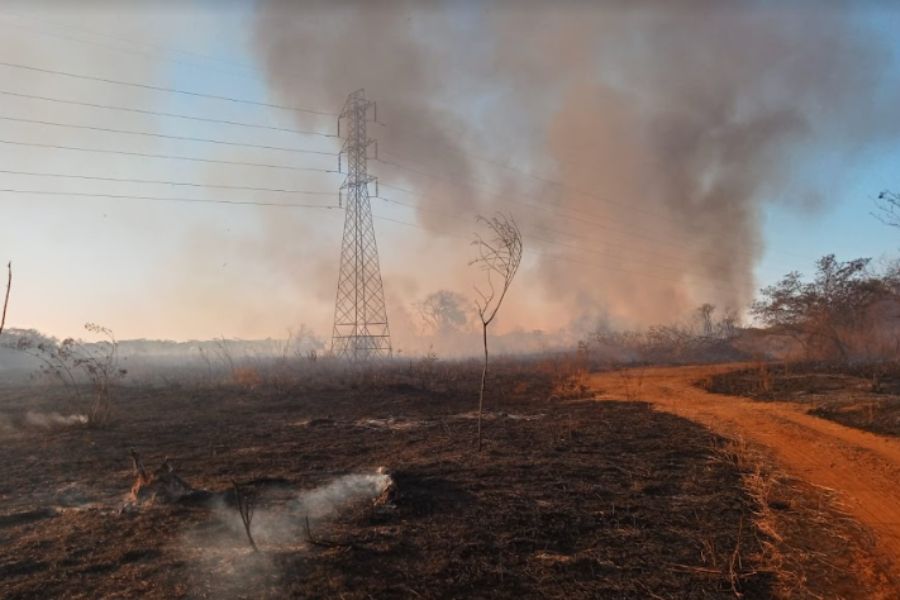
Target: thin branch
(888, 204)
(6, 298)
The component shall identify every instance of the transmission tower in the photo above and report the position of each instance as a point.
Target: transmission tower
(360, 317)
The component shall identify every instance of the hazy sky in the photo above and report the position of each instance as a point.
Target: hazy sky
(179, 270)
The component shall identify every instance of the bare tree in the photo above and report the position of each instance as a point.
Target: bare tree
(499, 256)
(6, 298)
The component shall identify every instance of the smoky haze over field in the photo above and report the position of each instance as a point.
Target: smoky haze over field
(640, 147)
(671, 128)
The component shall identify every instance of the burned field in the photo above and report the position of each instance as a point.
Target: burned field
(569, 498)
(865, 397)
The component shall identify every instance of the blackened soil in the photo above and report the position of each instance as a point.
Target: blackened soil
(568, 498)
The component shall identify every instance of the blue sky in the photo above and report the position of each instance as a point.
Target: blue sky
(844, 225)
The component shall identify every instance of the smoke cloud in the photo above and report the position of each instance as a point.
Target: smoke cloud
(636, 144)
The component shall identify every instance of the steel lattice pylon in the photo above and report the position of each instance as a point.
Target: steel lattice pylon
(360, 316)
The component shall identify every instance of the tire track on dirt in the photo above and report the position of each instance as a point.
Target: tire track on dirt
(862, 468)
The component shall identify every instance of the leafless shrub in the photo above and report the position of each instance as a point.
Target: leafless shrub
(6, 297)
(101, 364)
(567, 372)
(425, 369)
(224, 353)
(245, 503)
(706, 338)
(498, 256)
(73, 362)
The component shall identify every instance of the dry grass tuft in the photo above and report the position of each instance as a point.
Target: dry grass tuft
(808, 542)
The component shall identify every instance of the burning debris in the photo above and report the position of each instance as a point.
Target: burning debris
(162, 486)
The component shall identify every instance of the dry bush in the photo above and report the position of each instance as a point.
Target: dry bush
(847, 312)
(705, 339)
(424, 370)
(75, 363)
(246, 377)
(568, 372)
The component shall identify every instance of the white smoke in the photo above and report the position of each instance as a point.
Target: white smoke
(219, 548)
(329, 500)
(53, 419)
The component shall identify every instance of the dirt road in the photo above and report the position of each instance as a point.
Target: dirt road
(863, 468)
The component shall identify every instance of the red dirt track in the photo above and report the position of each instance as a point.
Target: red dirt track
(861, 467)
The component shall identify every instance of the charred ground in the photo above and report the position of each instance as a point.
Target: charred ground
(864, 396)
(570, 498)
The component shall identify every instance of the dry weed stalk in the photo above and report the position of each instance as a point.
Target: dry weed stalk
(499, 256)
(6, 298)
(759, 483)
(633, 380)
(245, 504)
(764, 380)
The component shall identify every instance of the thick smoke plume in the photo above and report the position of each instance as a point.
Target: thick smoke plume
(636, 143)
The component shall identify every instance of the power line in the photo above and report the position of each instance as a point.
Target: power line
(168, 114)
(555, 210)
(722, 286)
(332, 207)
(247, 71)
(539, 178)
(128, 42)
(167, 182)
(531, 234)
(492, 193)
(546, 206)
(603, 226)
(673, 267)
(681, 269)
(158, 88)
(164, 156)
(166, 199)
(453, 181)
(393, 163)
(180, 138)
